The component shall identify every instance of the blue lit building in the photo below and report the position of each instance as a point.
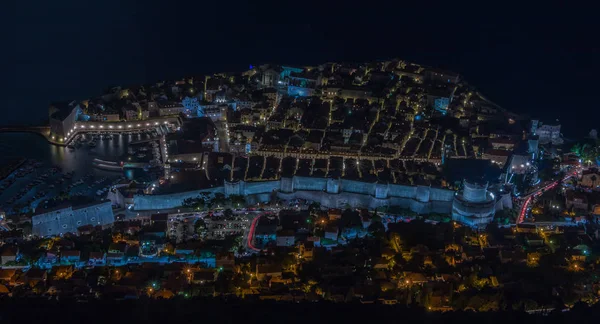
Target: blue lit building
(192, 107)
(300, 91)
(441, 105)
(287, 71)
(302, 84)
(439, 99)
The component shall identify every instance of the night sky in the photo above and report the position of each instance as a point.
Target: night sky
(537, 60)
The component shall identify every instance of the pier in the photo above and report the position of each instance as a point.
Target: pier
(41, 130)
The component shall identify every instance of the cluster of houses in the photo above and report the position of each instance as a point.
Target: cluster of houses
(336, 255)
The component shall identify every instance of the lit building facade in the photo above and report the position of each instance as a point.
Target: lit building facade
(549, 134)
(62, 120)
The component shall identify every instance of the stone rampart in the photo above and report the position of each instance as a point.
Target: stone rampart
(310, 184)
(253, 188)
(333, 193)
(151, 202)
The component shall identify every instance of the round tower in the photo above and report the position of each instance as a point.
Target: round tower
(474, 192)
(474, 205)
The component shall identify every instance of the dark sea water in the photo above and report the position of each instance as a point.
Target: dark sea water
(79, 161)
(33, 146)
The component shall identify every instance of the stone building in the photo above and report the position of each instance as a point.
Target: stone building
(67, 219)
(473, 205)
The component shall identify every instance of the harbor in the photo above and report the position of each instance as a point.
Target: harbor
(39, 174)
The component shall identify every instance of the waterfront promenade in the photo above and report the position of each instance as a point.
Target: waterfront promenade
(92, 127)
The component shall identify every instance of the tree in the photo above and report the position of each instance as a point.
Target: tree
(376, 217)
(26, 227)
(219, 199)
(228, 213)
(505, 216)
(376, 229)
(525, 305)
(314, 207)
(238, 245)
(224, 282)
(200, 228)
(196, 203)
(577, 149)
(350, 218)
(587, 151)
(237, 200)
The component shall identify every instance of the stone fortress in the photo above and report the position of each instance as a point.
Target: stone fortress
(474, 205)
(342, 193)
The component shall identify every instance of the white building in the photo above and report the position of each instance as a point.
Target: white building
(215, 112)
(269, 78)
(170, 108)
(549, 134)
(62, 118)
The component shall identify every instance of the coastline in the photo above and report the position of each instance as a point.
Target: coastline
(91, 127)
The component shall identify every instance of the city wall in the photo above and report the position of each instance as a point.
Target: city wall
(332, 193)
(148, 202)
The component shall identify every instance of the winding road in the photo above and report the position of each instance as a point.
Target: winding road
(250, 237)
(537, 192)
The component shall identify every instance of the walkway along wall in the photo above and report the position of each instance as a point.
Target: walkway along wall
(151, 202)
(332, 193)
